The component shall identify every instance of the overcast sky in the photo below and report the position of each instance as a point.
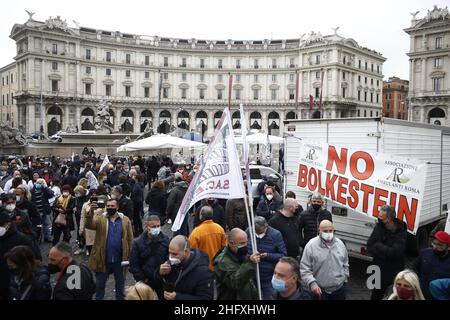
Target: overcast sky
(376, 24)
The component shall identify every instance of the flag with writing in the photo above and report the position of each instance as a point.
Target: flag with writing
(219, 175)
(104, 163)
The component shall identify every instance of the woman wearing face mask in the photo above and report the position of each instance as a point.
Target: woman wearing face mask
(40, 195)
(30, 280)
(56, 188)
(268, 205)
(25, 205)
(406, 287)
(63, 215)
(80, 200)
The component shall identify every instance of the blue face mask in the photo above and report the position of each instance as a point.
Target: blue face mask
(278, 285)
(38, 186)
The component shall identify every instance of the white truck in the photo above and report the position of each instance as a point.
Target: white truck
(430, 143)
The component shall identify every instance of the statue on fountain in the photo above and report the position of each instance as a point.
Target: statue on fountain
(11, 136)
(102, 123)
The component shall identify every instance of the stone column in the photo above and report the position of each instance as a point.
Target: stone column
(117, 116)
(210, 124)
(66, 78)
(155, 120)
(66, 121)
(136, 122)
(31, 118)
(173, 117)
(422, 114)
(78, 117)
(423, 87)
(282, 118)
(265, 122)
(192, 124)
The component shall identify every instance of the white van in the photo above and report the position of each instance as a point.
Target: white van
(397, 137)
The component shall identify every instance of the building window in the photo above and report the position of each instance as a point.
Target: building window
(255, 64)
(238, 63)
(371, 82)
(343, 75)
(365, 80)
(128, 58)
(202, 94)
(127, 73)
(378, 83)
(183, 62)
(219, 77)
(55, 48)
(359, 64)
(359, 95)
(88, 54)
(291, 94)
(365, 96)
(366, 65)
(292, 77)
(343, 92)
(54, 85)
(388, 106)
(437, 84)
(146, 92)
(127, 91)
(378, 69)
(166, 61)
(439, 43)
(359, 78)
(274, 78)
(147, 60)
(371, 67)
(165, 76)
(378, 99)
(377, 113)
(256, 78)
(183, 77)
(202, 77)
(88, 70)
(108, 90)
(7, 99)
(219, 94)
(255, 94)
(274, 63)
(291, 63)
(220, 63)
(108, 56)
(344, 60)
(238, 78)
(237, 94)
(202, 63)
(147, 75)
(108, 72)
(273, 94)
(359, 113)
(371, 97)
(371, 113)
(183, 93)
(317, 93)
(438, 62)
(11, 78)
(165, 93)
(365, 113)
(54, 66)
(318, 59)
(87, 88)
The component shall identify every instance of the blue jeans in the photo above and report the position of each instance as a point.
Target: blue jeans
(102, 277)
(46, 226)
(339, 294)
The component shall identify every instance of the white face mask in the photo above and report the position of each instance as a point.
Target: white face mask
(10, 207)
(260, 236)
(174, 261)
(2, 231)
(155, 231)
(327, 236)
(65, 194)
(269, 196)
(18, 198)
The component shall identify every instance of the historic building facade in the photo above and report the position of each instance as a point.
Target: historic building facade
(8, 87)
(395, 94)
(429, 56)
(166, 83)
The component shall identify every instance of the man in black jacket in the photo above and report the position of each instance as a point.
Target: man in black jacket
(125, 203)
(287, 224)
(387, 246)
(310, 219)
(148, 252)
(10, 237)
(186, 276)
(74, 281)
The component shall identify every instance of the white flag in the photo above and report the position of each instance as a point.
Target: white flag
(219, 174)
(447, 225)
(105, 162)
(73, 156)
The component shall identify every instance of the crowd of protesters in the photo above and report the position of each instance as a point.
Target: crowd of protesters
(113, 212)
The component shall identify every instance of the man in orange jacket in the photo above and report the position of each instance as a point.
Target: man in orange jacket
(208, 237)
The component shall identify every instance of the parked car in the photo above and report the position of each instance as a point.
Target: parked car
(259, 173)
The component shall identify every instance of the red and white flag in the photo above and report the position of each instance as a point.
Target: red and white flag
(219, 175)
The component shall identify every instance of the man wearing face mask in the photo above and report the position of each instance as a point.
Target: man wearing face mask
(125, 203)
(20, 218)
(10, 237)
(4, 176)
(310, 219)
(286, 281)
(433, 263)
(60, 261)
(324, 266)
(40, 195)
(270, 244)
(387, 245)
(233, 269)
(8, 184)
(112, 244)
(148, 252)
(268, 205)
(186, 275)
(208, 237)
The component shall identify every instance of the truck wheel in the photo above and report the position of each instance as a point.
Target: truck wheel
(415, 244)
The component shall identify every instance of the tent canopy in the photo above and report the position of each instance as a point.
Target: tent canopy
(259, 138)
(159, 141)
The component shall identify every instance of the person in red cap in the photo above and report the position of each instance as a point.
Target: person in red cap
(433, 263)
(63, 211)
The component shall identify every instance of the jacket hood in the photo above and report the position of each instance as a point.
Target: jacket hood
(181, 184)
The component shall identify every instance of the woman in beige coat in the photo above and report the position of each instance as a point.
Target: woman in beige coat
(89, 234)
